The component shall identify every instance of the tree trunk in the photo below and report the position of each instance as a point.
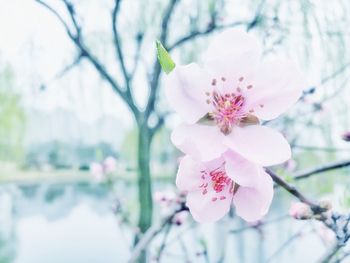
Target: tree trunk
(144, 181)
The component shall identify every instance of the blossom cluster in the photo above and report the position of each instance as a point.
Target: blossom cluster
(222, 103)
(170, 201)
(100, 170)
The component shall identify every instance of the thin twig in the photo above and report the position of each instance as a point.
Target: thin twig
(77, 40)
(163, 244)
(321, 169)
(330, 254)
(154, 83)
(285, 245)
(323, 149)
(294, 191)
(151, 233)
(117, 43)
(200, 33)
(261, 224)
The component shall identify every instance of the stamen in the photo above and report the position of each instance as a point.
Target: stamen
(261, 105)
(214, 199)
(228, 108)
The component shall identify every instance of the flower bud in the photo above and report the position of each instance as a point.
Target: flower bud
(180, 218)
(300, 211)
(325, 204)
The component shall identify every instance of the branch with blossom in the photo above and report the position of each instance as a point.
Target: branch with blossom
(221, 104)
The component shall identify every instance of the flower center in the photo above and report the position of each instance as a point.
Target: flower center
(229, 107)
(227, 110)
(218, 181)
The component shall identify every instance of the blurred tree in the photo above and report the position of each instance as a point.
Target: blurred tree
(154, 20)
(12, 118)
(135, 24)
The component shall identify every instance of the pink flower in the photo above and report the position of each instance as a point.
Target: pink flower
(215, 185)
(110, 164)
(223, 102)
(300, 210)
(96, 169)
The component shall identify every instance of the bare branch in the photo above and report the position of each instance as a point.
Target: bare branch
(77, 40)
(69, 67)
(117, 43)
(330, 254)
(58, 16)
(139, 39)
(294, 191)
(153, 232)
(200, 33)
(154, 84)
(322, 169)
(71, 12)
(212, 26)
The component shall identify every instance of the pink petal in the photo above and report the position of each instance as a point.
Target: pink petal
(188, 176)
(233, 54)
(201, 142)
(253, 203)
(240, 170)
(204, 210)
(277, 86)
(259, 144)
(185, 89)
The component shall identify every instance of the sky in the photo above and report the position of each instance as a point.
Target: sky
(35, 44)
(37, 47)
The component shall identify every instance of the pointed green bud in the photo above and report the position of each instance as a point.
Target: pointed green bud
(166, 62)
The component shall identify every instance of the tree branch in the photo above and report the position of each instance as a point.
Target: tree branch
(139, 39)
(117, 43)
(212, 26)
(153, 232)
(154, 84)
(77, 40)
(322, 169)
(200, 33)
(294, 191)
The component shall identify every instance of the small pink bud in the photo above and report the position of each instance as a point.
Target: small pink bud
(326, 204)
(159, 197)
(300, 210)
(180, 218)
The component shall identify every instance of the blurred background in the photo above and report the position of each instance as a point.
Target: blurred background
(86, 163)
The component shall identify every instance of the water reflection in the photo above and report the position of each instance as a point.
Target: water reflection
(75, 223)
(60, 223)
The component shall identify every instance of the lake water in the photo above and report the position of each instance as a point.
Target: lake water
(77, 224)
